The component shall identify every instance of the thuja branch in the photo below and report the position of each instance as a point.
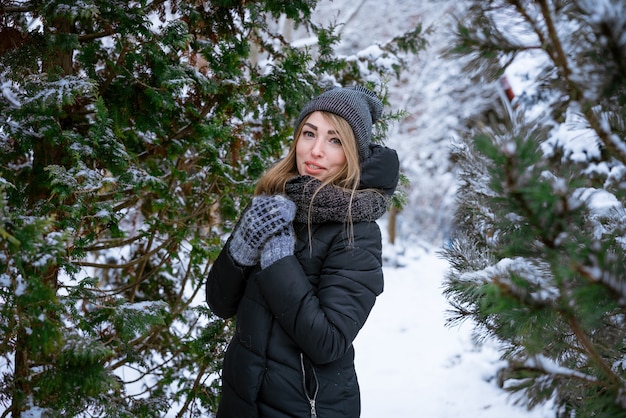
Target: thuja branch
(124, 265)
(194, 388)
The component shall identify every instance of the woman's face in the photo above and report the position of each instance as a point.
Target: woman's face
(319, 150)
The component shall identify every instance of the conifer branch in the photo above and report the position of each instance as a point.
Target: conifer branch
(112, 73)
(536, 363)
(558, 56)
(16, 9)
(128, 264)
(615, 380)
(113, 243)
(96, 35)
(194, 388)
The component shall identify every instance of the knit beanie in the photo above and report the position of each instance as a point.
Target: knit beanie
(357, 105)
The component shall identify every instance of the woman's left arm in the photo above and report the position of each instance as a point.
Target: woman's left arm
(325, 323)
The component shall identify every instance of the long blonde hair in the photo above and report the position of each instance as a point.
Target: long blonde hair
(274, 180)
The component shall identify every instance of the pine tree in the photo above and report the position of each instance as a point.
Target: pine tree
(538, 257)
(130, 135)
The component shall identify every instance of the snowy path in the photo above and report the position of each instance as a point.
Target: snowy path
(411, 366)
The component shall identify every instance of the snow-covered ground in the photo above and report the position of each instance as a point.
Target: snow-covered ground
(411, 365)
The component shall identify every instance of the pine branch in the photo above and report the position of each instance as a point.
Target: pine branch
(555, 48)
(538, 363)
(615, 380)
(617, 285)
(616, 149)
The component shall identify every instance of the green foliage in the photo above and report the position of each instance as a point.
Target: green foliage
(131, 134)
(538, 257)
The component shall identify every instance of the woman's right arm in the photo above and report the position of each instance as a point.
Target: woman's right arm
(225, 284)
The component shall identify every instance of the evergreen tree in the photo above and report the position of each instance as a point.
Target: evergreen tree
(130, 134)
(538, 258)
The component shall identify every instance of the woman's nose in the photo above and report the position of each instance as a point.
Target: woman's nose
(318, 148)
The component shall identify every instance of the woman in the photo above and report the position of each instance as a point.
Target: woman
(302, 269)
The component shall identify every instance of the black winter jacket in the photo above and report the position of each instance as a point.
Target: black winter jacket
(297, 319)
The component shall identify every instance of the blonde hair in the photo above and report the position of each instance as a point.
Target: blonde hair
(274, 180)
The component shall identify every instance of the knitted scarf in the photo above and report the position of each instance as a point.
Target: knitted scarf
(332, 204)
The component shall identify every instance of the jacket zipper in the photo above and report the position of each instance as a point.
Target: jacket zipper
(313, 399)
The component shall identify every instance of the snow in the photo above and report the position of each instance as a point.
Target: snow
(409, 364)
(33, 411)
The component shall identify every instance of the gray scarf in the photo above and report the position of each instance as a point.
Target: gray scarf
(333, 204)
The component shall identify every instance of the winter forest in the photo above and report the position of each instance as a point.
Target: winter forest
(132, 133)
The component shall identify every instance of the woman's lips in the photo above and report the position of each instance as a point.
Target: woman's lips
(313, 169)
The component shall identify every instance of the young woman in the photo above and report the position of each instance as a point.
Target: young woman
(302, 269)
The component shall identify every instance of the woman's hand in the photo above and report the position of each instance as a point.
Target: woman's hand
(278, 246)
(267, 216)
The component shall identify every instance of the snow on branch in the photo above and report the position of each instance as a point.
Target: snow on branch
(537, 276)
(547, 365)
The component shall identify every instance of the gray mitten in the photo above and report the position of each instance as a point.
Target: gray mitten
(266, 216)
(278, 246)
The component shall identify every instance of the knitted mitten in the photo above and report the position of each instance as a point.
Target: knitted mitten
(277, 247)
(266, 216)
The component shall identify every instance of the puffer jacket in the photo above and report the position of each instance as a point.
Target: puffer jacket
(292, 352)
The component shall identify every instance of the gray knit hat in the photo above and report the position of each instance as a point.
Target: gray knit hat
(357, 105)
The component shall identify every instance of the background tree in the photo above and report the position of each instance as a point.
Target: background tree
(538, 257)
(130, 134)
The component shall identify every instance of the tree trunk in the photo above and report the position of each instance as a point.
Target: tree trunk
(46, 152)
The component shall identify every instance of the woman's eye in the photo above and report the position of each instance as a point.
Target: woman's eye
(309, 134)
(335, 141)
